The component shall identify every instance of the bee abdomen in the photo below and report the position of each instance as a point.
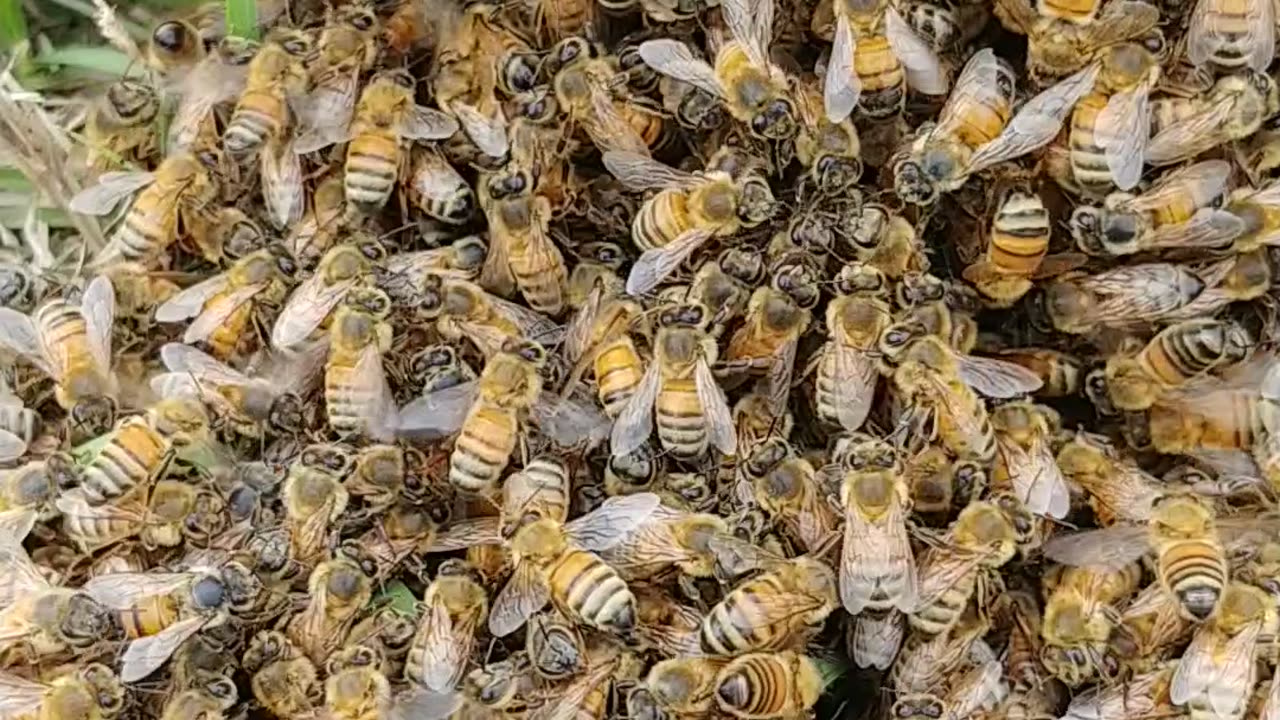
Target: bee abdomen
(349, 407)
(1195, 572)
(756, 686)
(682, 424)
(482, 450)
(593, 590)
(130, 459)
(618, 373)
(256, 118)
(659, 220)
(733, 626)
(940, 616)
(371, 170)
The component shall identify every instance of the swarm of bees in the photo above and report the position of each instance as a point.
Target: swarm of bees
(661, 360)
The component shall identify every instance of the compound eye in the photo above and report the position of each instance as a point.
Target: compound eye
(170, 36)
(362, 22)
(296, 46)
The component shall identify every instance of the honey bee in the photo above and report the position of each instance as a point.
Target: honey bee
(875, 55)
(679, 389)
(322, 223)
(347, 46)
(684, 685)
(978, 129)
(1017, 250)
(765, 685)
(1121, 297)
(832, 151)
(1062, 39)
(202, 80)
(119, 127)
(980, 540)
(1078, 619)
(1179, 354)
(1229, 38)
(357, 397)
(598, 335)
(92, 692)
(787, 487)
(465, 310)
(936, 380)
(356, 689)
(1024, 434)
(41, 619)
(1217, 673)
(847, 373)
(340, 270)
(338, 590)
(1185, 537)
(688, 210)
(522, 253)
(668, 538)
(276, 75)
(1234, 108)
(313, 498)
(1151, 626)
(877, 567)
(938, 484)
(1176, 212)
(455, 606)
(160, 611)
(753, 89)
(1118, 490)
(557, 561)
(283, 679)
(1142, 695)
(769, 337)
(437, 189)
(35, 484)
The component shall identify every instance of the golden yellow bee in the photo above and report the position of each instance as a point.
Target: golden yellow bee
(877, 567)
(283, 680)
(1064, 37)
(875, 55)
(980, 540)
(346, 47)
(338, 590)
(1025, 459)
(202, 80)
(120, 128)
(276, 74)
(356, 689)
(832, 151)
(92, 692)
(847, 372)
(961, 693)
(455, 605)
(357, 398)
(768, 338)
(679, 389)
(753, 89)
(1078, 619)
(598, 337)
(39, 620)
(768, 685)
(1121, 297)
(464, 310)
(1017, 250)
(342, 268)
(1234, 108)
(1062, 374)
(1179, 354)
(786, 486)
(669, 538)
(1217, 672)
(522, 253)
(1151, 628)
(684, 685)
(1118, 490)
(437, 188)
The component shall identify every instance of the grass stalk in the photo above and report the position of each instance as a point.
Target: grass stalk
(242, 18)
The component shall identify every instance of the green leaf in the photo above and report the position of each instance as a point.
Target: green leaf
(242, 18)
(86, 451)
(398, 597)
(831, 669)
(98, 59)
(13, 24)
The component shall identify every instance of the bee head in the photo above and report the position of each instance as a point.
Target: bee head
(914, 182)
(209, 593)
(519, 73)
(917, 707)
(539, 106)
(776, 121)
(692, 315)
(756, 203)
(567, 52)
(835, 172)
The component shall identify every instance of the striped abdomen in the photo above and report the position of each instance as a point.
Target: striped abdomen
(682, 424)
(149, 616)
(150, 225)
(65, 338)
(483, 447)
(741, 623)
(540, 273)
(769, 685)
(541, 488)
(350, 403)
(1233, 33)
(975, 121)
(135, 455)
(1088, 159)
(1019, 235)
(1195, 571)
(1076, 11)
(260, 114)
(618, 371)
(1189, 349)
(592, 591)
(884, 84)
(940, 615)
(225, 338)
(373, 164)
(661, 219)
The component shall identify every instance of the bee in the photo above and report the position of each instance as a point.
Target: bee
(402, 531)
(1228, 38)
(208, 700)
(679, 389)
(975, 130)
(202, 79)
(684, 685)
(558, 561)
(1186, 539)
(224, 305)
(355, 688)
(1217, 672)
(1062, 39)
(437, 189)
(34, 485)
(357, 397)
(1017, 250)
(769, 337)
(455, 605)
(385, 118)
(160, 611)
(669, 538)
(1150, 627)
(283, 679)
(341, 269)
(980, 686)
(981, 539)
(522, 253)
(787, 488)
(753, 89)
(938, 484)
(1024, 435)
(598, 336)
(832, 151)
(1122, 297)
(338, 590)
(38, 619)
(119, 127)
(877, 567)
(766, 685)
(1179, 354)
(314, 497)
(465, 310)
(322, 223)
(276, 74)
(417, 277)
(935, 380)
(1144, 694)
(1078, 619)
(847, 373)
(1118, 490)
(1234, 108)
(1176, 212)
(92, 692)
(688, 210)
(875, 55)
(346, 47)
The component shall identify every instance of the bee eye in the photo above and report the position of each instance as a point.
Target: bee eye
(208, 158)
(362, 22)
(170, 36)
(297, 46)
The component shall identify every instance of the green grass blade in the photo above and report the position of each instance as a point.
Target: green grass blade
(13, 24)
(242, 18)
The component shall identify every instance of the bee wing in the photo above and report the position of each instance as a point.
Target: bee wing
(1208, 228)
(1121, 21)
(1202, 182)
(1037, 122)
(524, 594)
(1124, 126)
(1111, 548)
(1254, 19)
(20, 574)
(19, 334)
(997, 378)
(569, 423)
(577, 335)
(940, 574)
(569, 702)
(443, 656)
(20, 698)
(439, 413)
(210, 320)
(1235, 676)
(145, 655)
(607, 128)
(975, 690)
(641, 172)
(924, 72)
(656, 264)
(534, 325)
(16, 525)
(720, 429)
(876, 556)
(855, 385)
(1196, 669)
(423, 123)
(188, 303)
(781, 368)
(326, 118)
(380, 416)
(465, 533)
(1037, 481)
(877, 638)
(738, 556)
(1016, 15)
(674, 59)
(751, 25)
(98, 306)
(842, 87)
(11, 446)
(608, 524)
(488, 134)
(110, 189)
(651, 545)
(1187, 136)
(282, 189)
(1271, 711)
(306, 309)
(181, 358)
(633, 425)
(119, 591)
(496, 275)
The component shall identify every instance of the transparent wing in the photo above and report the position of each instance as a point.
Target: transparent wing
(876, 559)
(1249, 31)
(442, 658)
(1196, 669)
(855, 385)
(997, 378)
(1186, 137)
(188, 303)
(841, 87)
(656, 264)
(737, 556)
(524, 594)
(1271, 711)
(569, 423)
(306, 309)
(741, 17)
(877, 638)
(641, 172)
(715, 407)
(1236, 670)
(282, 189)
(496, 275)
(16, 524)
(11, 446)
(1123, 126)
(98, 305)
(440, 413)
(119, 591)
(979, 82)
(635, 422)
(607, 128)
(466, 533)
(328, 112)
(674, 59)
(181, 358)
(1110, 548)
(1201, 183)
(569, 701)
(211, 319)
(1208, 228)
(781, 368)
(418, 703)
(940, 574)
(534, 325)
(1037, 122)
(577, 335)
(1037, 481)
(428, 124)
(380, 417)
(924, 72)
(610, 523)
(19, 334)
(20, 698)
(145, 655)
(488, 134)
(20, 574)
(112, 187)
(1121, 21)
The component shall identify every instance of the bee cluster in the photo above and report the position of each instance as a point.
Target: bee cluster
(659, 359)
